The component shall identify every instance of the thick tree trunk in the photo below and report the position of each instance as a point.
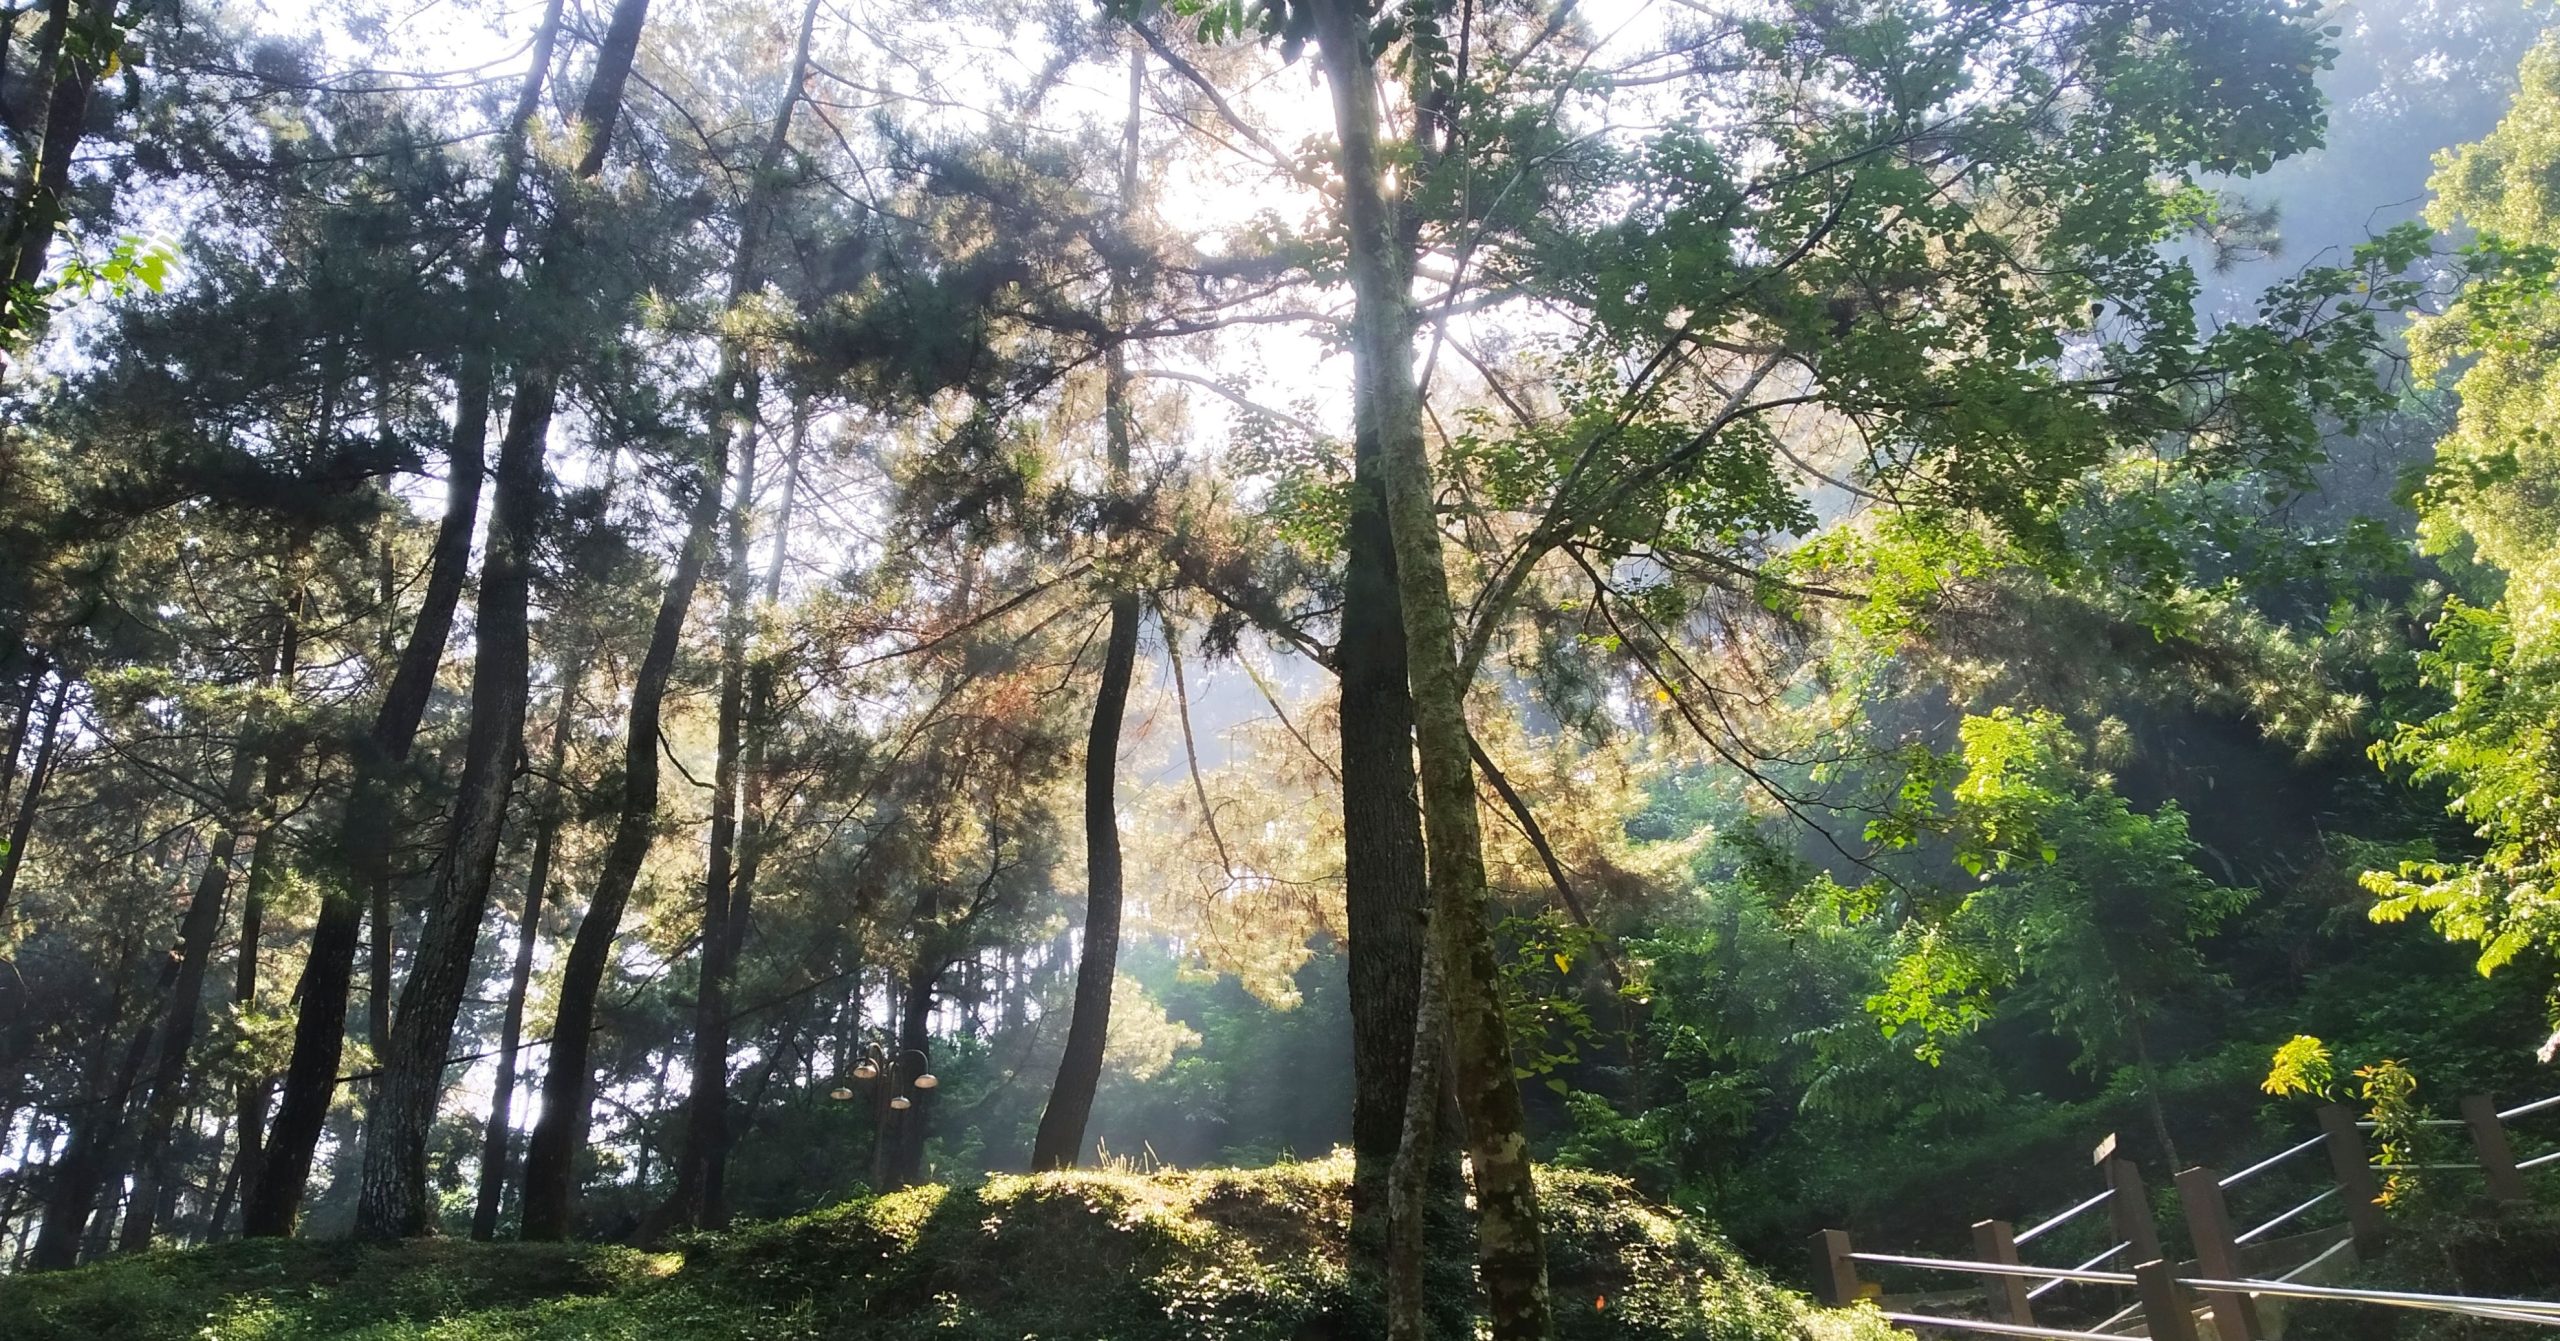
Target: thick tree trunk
(1059, 1143)
(550, 1157)
(274, 1197)
(394, 1201)
(22, 829)
(1511, 1255)
(497, 1142)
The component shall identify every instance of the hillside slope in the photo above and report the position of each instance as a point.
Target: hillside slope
(1059, 1257)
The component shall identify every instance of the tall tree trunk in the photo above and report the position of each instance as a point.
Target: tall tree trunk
(1511, 1254)
(497, 1143)
(22, 829)
(249, 1097)
(1059, 1143)
(706, 1113)
(274, 1197)
(695, 1199)
(177, 1031)
(69, 74)
(753, 835)
(550, 1156)
(90, 1153)
(394, 1201)
(21, 723)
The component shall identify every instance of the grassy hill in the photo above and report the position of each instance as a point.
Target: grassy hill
(1059, 1257)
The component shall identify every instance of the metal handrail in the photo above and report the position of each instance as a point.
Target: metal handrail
(2118, 1316)
(2535, 1107)
(2255, 1234)
(1999, 1268)
(2271, 1161)
(2536, 1310)
(2538, 1161)
(1998, 1328)
(2040, 1291)
(2029, 1234)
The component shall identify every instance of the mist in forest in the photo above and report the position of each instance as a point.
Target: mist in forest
(1308, 668)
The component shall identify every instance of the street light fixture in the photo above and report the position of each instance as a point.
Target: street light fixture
(872, 1063)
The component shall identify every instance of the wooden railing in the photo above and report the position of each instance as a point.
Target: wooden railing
(2163, 1303)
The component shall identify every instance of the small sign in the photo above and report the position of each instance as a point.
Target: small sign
(2105, 1149)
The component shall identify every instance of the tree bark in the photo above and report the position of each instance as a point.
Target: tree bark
(1059, 1142)
(177, 1031)
(274, 1199)
(249, 1097)
(1510, 1251)
(550, 1156)
(40, 203)
(706, 1115)
(22, 829)
(697, 1194)
(90, 1153)
(497, 1143)
(21, 723)
(393, 1201)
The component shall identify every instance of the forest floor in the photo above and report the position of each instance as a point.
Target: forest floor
(1095, 1256)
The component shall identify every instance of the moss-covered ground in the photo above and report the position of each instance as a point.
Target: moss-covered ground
(1058, 1257)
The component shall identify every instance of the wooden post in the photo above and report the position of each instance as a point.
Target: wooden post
(1993, 1241)
(2164, 1305)
(2235, 1315)
(1835, 1277)
(2129, 1210)
(2353, 1169)
(2497, 1157)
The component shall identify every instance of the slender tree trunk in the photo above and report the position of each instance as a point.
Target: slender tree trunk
(274, 1197)
(177, 1030)
(21, 723)
(22, 829)
(1059, 1143)
(249, 1097)
(69, 75)
(1511, 1254)
(550, 1156)
(695, 1199)
(1409, 1180)
(90, 1153)
(706, 1116)
(497, 1143)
